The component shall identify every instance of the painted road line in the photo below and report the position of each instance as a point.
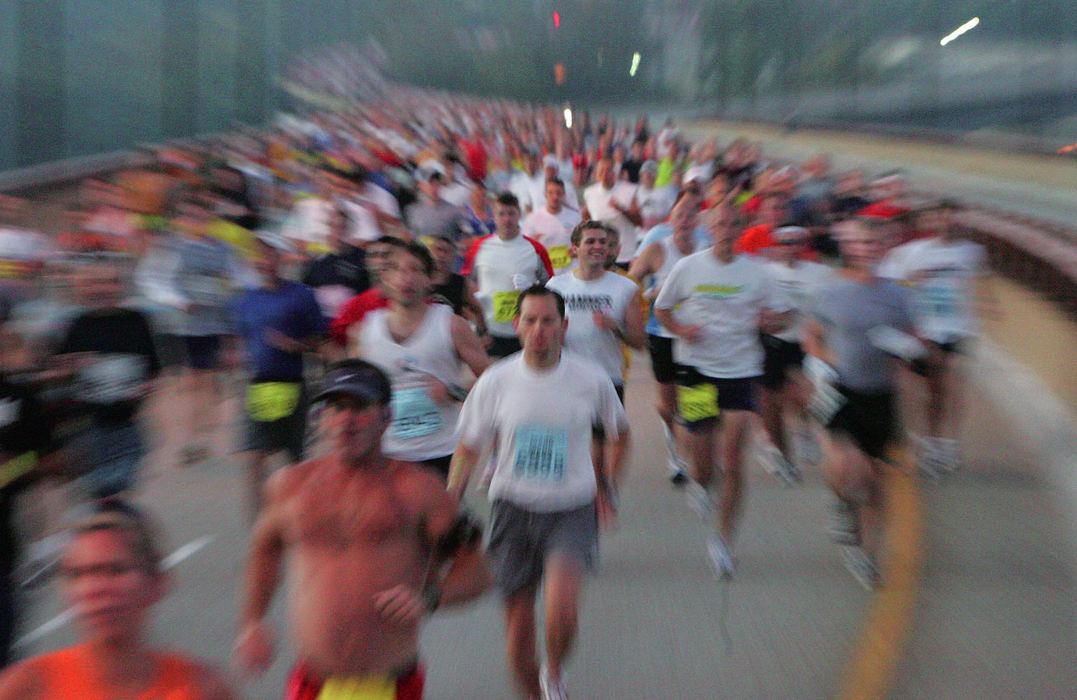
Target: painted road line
(870, 672)
(66, 616)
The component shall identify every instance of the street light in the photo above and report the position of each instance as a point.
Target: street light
(635, 65)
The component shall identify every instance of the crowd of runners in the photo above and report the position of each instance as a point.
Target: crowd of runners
(427, 292)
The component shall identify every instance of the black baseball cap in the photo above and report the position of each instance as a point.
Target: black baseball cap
(358, 379)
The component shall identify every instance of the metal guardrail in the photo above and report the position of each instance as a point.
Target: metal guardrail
(60, 172)
(1028, 254)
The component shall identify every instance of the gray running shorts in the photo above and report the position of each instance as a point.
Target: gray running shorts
(519, 541)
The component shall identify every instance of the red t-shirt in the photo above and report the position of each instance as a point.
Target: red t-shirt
(755, 239)
(883, 209)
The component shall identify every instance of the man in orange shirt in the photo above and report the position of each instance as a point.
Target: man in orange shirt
(112, 575)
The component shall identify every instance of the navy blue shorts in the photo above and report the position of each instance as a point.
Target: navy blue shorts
(203, 351)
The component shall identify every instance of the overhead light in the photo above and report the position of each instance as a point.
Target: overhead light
(635, 65)
(959, 31)
(568, 118)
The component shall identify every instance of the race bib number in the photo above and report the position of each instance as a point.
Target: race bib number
(113, 377)
(939, 298)
(414, 414)
(505, 306)
(541, 453)
(699, 402)
(361, 688)
(270, 401)
(560, 256)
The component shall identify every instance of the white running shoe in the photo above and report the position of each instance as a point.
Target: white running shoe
(775, 463)
(948, 452)
(721, 558)
(552, 688)
(806, 447)
(678, 469)
(862, 566)
(699, 500)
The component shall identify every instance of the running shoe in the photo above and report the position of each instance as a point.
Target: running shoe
(948, 452)
(678, 473)
(775, 463)
(721, 558)
(929, 458)
(678, 470)
(552, 688)
(806, 447)
(699, 500)
(862, 566)
(843, 529)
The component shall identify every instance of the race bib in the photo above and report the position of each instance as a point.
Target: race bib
(270, 401)
(939, 298)
(696, 403)
(361, 688)
(113, 377)
(541, 453)
(414, 414)
(560, 256)
(505, 306)
(17, 467)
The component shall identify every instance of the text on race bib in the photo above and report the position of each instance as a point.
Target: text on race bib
(505, 306)
(541, 453)
(560, 256)
(270, 401)
(938, 298)
(414, 414)
(699, 402)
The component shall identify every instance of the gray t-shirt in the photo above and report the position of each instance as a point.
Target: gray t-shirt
(435, 219)
(847, 310)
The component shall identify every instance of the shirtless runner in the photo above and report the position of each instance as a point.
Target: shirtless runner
(376, 544)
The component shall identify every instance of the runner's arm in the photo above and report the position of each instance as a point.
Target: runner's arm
(472, 304)
(466, 575)
(815, 342)
(644, 264)
(635, 325)
(468, 346)
(463, 463)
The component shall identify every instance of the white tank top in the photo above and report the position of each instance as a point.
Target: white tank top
(670, 256)
(421, 429)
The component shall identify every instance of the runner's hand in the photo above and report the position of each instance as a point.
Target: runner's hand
(254, 647)
(692, 334)
(401, 605)
(607, 510)
(437, 391)
(276, 339)
(604, 322)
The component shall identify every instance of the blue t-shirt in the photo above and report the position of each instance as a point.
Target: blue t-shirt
(290, 309)
(700, 237)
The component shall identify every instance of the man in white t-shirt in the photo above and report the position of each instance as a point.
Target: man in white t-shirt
(613, 202)
(651, 267)
(950, 283)
(552, 226)
(784, 386)
(655, 203)
(528, 185)
(602, 307)
(715, 303)
(501, 265)
(537, 410)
